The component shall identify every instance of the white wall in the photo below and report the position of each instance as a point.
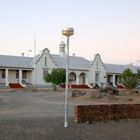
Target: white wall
(41, 64)
(97, 66)
(29, 76)
(78, 72)
(12, 76)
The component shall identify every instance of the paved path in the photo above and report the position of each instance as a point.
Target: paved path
(26, 115)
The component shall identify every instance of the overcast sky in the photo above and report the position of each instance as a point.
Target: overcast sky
(108, 27)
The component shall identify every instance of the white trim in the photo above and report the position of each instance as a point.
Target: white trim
(113, 80)
(6, 77)
(20, 76)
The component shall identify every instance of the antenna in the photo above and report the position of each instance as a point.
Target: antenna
(34, 45)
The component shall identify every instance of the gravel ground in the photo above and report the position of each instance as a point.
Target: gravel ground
(52, 129)
(26, 115)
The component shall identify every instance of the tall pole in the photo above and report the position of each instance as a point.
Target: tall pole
(34, 61)
(68, 31)
(67, 84)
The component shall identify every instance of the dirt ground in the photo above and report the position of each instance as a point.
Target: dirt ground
(39, 115)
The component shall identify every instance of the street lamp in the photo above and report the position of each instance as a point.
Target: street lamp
(68, 31)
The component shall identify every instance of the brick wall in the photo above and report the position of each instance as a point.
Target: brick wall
(90, 113)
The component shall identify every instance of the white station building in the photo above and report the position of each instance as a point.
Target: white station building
(21, 69)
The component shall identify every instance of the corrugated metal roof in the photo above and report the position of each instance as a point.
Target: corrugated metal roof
(15, 61)
(114, 68)
(75, 62)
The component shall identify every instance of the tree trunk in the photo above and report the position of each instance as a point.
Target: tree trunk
(129, 92)
(54, 87)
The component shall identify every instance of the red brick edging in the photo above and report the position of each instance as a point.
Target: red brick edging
(90, 113)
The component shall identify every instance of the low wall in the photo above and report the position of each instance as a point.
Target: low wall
(90, 113)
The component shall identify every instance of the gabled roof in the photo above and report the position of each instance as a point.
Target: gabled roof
(75, 62)
(15, 61)
(114, 68)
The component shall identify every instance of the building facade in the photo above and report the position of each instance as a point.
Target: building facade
(31, 70)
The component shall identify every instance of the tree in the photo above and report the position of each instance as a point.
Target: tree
(56, 77)
(138, 76)
(129, 80)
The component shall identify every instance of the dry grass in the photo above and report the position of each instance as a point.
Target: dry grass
(91, 98)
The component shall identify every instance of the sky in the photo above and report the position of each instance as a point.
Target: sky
(108, 27)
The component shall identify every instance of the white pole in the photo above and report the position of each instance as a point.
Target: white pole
(67, 83)
(34, 61)
(68, 31)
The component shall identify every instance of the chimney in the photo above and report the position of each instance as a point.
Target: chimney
(22, 54)
(73, 54)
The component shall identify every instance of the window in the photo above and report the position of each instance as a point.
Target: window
(17, 74)
(45, 63)
(62, 49)
(3, 73)
(45, 72)
(97, 77)
(24, 75)
(97, 65)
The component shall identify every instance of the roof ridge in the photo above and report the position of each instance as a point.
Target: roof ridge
(16, 56)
